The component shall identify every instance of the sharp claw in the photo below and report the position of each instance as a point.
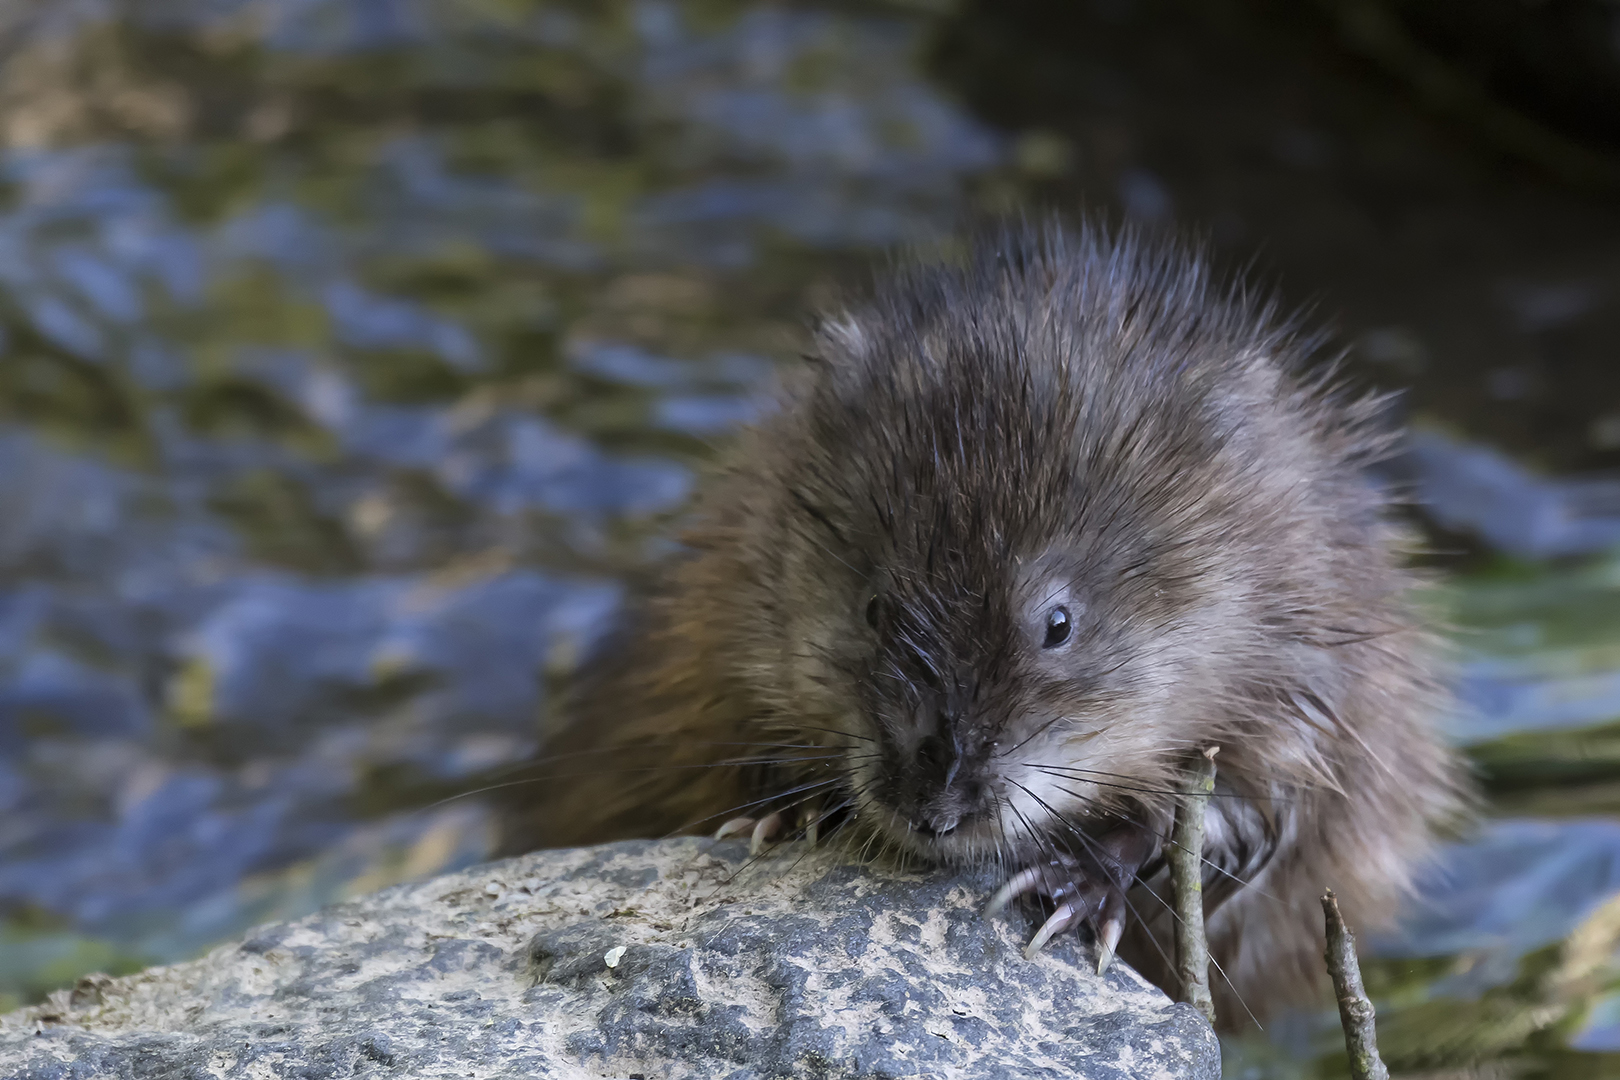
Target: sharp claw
(735, 827)
(1019, 884)
(811, 820)
(1061, 920)
(1108, 935)
(765, 828)
(1109, 922)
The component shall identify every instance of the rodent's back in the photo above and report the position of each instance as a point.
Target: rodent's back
(1065, 425)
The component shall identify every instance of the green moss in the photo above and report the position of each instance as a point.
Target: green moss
(1549, 758)
(406, 375)
(282, 524)
(78, 402)
(37, 955)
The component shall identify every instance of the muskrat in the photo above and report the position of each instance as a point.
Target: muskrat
(1027, 530)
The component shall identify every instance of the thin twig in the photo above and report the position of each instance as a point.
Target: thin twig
(1355, 1011)
(1187, 877)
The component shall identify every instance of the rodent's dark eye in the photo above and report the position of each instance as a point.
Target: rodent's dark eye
(1057, 627)
(873, 612)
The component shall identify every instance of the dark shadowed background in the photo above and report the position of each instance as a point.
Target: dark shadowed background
(354, 354)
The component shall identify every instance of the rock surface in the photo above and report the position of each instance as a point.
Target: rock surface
(671, 959)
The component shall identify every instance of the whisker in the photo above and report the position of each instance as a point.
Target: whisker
(1055, 719)
(754, 859)
(679, 829)
(1062, 770)
(1166, 838)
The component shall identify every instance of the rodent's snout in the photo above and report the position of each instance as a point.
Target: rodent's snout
(938, 825)
(945, 813)
(934, 790)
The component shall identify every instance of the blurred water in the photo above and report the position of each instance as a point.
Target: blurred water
(1480, 490)
(344, 373)
(353, 354)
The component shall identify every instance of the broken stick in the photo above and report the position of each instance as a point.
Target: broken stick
(1355, 1010)
(1187, 880)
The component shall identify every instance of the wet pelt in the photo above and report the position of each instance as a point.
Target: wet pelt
(1026, 531)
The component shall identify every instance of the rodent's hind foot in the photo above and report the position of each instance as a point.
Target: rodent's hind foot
(760, 830)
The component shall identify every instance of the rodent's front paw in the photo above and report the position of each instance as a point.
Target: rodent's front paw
(1088, 889)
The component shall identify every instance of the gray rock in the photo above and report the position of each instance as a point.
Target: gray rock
(668, 960)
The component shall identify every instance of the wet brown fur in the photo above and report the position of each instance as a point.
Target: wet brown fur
(1067, 414)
